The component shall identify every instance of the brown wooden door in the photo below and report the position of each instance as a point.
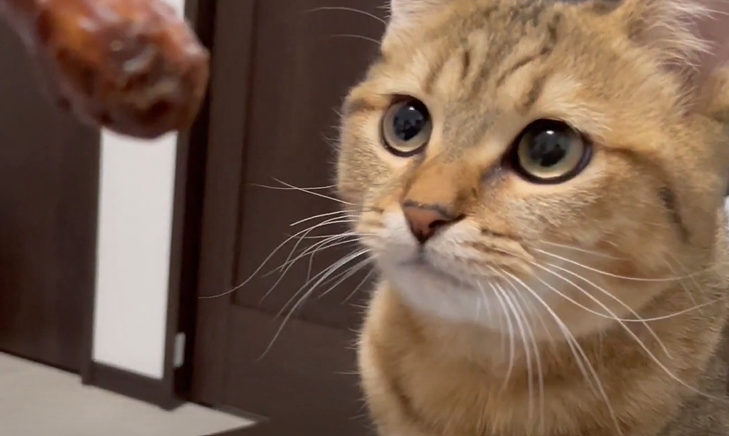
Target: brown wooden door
(49, 169)
(281, 69)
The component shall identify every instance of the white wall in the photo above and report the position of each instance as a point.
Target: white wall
(135, 226)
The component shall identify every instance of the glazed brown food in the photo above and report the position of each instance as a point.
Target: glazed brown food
(133, 66)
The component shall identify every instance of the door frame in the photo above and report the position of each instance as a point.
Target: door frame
(232, 66)
(209, 162)
(174, 387)
(207, 205)
(187, 221)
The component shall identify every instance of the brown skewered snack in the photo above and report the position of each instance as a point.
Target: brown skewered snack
(132, 66)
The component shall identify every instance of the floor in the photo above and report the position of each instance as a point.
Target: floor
(37, 400)
(263, 430)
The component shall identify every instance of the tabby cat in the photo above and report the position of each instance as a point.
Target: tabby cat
(540, 185)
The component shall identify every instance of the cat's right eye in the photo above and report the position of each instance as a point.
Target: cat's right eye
(406, 127)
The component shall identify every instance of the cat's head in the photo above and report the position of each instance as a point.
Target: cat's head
(511, 154)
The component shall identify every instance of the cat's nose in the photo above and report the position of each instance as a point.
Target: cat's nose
(426, 220)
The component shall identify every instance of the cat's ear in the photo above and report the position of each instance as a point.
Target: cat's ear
(690, 35)
(404, 13)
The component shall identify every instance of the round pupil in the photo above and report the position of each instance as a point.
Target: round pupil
(409, 121)
(548, 148)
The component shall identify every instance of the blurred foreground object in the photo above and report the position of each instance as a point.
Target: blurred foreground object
(133, 66)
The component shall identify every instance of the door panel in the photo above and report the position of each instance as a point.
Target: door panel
(307, 377)
(281, 70)
(49, 167)
(302, 70)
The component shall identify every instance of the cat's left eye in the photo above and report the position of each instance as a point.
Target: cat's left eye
(550, 151)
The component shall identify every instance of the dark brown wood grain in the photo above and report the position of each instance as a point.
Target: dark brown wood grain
(280, 72)
(49, 164)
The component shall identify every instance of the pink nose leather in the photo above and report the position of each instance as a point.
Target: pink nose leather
(424, 222)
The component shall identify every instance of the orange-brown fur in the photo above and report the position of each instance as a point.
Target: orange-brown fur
(639, 234)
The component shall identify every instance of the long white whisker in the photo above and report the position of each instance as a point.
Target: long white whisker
(617, 276)
(359, 286)
(290, 264)
(305, 232)
(324, 274)
(512, 344)
(528, 334)
(683, 285)
(289, 188)
(342, 8)
(605, 316)
(640, 343)
(339, 213)
(332, 240)
(320, 277)
(577, 351)
(537, 313)
(266, 260)
(355, 36)
(605, 292)
(347, 274)
(316, 194)
(344, 240)
(535, 345)
(578, 249)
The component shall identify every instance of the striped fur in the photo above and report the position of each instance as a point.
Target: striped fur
(525, 319)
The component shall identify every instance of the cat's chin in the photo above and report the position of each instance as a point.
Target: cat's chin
(498, 304)
(437, 293)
